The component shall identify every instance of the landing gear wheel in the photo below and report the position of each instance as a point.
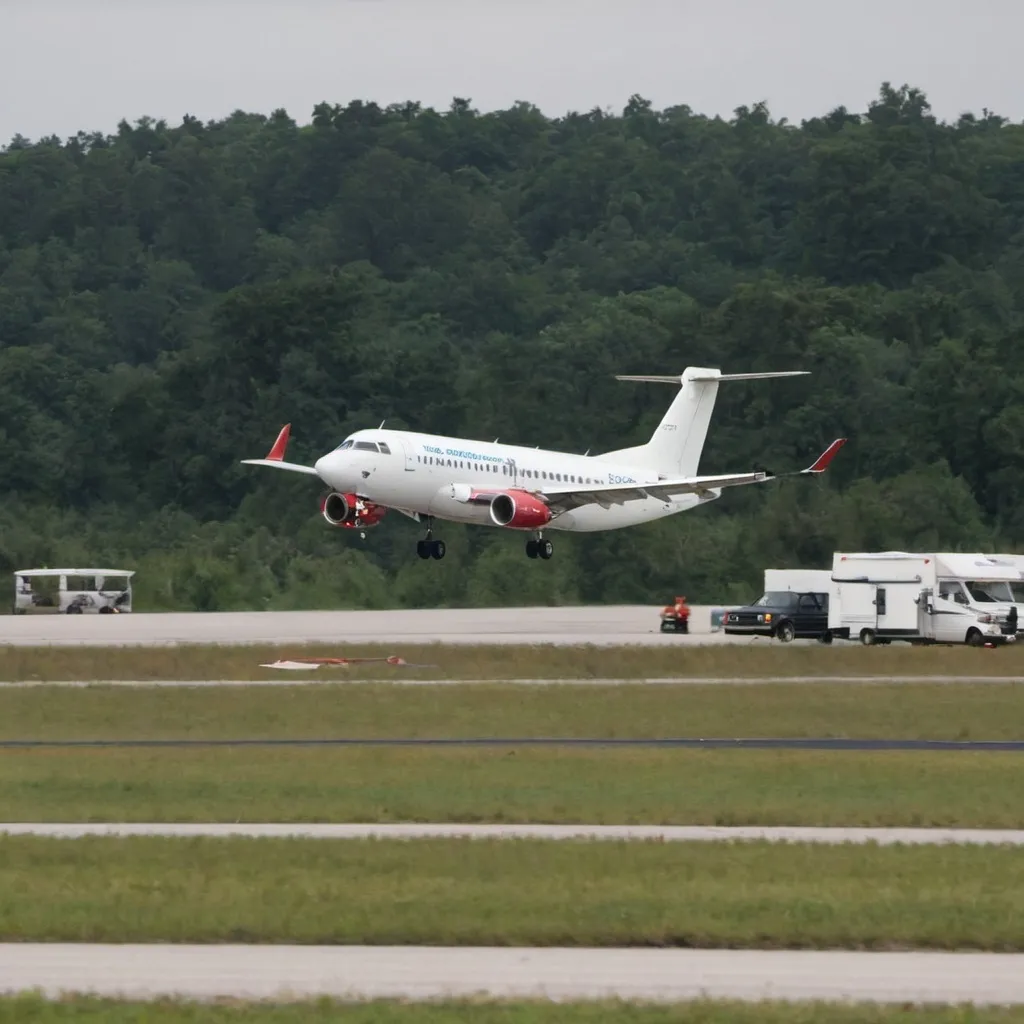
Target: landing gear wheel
(545, 548)
(423, 548)
(531, 549)
(437, 549)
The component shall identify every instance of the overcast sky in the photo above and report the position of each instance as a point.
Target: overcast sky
(70, 65)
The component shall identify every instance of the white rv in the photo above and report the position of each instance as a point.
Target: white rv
(922, 598)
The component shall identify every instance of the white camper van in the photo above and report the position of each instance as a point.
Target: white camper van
(922, 598)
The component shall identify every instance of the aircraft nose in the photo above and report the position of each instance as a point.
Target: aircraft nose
(327, 467)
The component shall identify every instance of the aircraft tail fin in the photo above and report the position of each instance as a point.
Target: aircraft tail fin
(675, 447)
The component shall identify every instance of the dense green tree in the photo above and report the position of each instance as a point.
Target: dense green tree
(171, 294)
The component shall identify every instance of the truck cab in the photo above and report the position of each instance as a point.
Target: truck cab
(784, 614)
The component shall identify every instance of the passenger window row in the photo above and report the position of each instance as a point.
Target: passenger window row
(491, 467)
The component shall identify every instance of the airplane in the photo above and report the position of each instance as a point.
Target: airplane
(428, 477)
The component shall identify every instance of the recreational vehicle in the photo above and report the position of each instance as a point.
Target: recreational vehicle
(922, 598)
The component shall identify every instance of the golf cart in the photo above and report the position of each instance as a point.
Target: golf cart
(72, 591)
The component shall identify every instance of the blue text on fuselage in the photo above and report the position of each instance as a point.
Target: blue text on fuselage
(456, 454)
(614, 478)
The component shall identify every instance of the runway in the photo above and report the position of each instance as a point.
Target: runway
(335, 678)
(680, 742)
(605, 625)
(557, 833)
(420, 973)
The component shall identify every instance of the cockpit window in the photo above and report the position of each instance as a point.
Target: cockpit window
(365, 446)
(384, 449)
(344, 444)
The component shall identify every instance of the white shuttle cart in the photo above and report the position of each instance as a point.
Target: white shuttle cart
(72, 591)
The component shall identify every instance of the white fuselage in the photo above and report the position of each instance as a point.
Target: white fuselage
(436, 476)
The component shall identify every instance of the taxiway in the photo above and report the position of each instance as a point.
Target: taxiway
(419, 973)
(614, 833)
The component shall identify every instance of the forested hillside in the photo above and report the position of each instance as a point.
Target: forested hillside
(169, 296)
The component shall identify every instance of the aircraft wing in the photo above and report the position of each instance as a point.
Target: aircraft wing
(275, 457)
(665, 490)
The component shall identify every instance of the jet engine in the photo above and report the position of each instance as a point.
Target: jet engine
(350, 511)
(519, 510)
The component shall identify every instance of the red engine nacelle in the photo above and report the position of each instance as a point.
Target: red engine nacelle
(519, 510)
(350, 511)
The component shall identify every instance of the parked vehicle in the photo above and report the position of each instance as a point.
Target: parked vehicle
(922, 598)
(795, 604)
(72, 591)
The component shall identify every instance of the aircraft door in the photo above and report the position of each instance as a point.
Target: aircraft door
(409, 450)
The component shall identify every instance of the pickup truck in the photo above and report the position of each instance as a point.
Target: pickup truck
(783, 614)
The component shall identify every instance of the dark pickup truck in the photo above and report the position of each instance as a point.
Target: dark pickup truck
(783, 614)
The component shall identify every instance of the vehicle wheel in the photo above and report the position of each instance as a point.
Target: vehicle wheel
(545, 549)
(423, 548)
(531, 549)
(106, 610)
(668, 627)
(437, 549)
(785, 631)
(825, 638)
(867, 637)
(975, 639)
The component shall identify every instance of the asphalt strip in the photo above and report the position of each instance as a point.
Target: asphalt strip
(422, 973)
(655, 833)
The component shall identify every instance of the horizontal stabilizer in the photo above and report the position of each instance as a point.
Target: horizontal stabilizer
(681, 379)
(756, 376)
(653, 380)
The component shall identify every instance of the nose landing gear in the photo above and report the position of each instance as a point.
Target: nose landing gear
(539, 548)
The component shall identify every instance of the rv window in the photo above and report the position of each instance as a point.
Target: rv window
(990, 591)
(952, 591)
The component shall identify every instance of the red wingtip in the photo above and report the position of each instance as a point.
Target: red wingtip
(821, 464)
(276, 453)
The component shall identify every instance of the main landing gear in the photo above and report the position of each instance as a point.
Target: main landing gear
(429, 548)
(539, 548)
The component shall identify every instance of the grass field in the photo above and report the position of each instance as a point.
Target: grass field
(33, 1010)
(516, 783)
(873, 710)
(510, 893)
(688, 787)
(509, 662)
